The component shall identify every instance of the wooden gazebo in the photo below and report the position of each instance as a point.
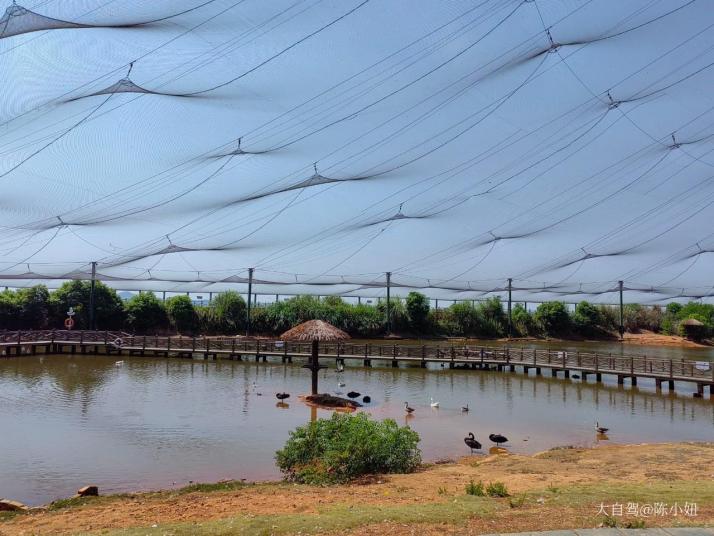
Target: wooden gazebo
(314, 331)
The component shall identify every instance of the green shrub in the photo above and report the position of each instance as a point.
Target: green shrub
(34, 307)
(229, 308)
(109, 309)
(496, 489)
(475, 489)
(417, 306)
(523, 323)
(9, 310)
(182, 314)
(347, 446)
(586, 318)
(145, 313)
(552, 318)
(461, 319)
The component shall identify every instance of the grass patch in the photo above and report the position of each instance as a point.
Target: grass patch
(517, 502)
(497, 489)
(225, 485)
(71, 502)
(475, 490)
(333, 519)
(699, 491)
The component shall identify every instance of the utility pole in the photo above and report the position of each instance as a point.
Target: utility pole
(92, 286)
(389, 305)
(622, 313)
(250, 291)
(510, 318)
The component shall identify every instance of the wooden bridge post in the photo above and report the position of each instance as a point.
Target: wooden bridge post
(168, 345)
(233, 347)
(143, 345)
(207, 345)
(598, 376)
(395, 363)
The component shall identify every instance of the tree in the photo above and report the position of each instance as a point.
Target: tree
(417, 310)
(145, 313)
(493, 317)
(34, 307)
(181, 313)
(108, 306)
(462, 319)
(230, 309)
(522, 320)
(9, 310)
(586, 318)
(552, 318)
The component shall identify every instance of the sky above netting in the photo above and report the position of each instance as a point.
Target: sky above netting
(565, 144)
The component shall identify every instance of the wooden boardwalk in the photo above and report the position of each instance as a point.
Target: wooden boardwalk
(586, 364)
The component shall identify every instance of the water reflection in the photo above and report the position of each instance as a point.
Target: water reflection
(152, 422)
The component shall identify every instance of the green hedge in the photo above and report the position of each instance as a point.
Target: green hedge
(37, 308)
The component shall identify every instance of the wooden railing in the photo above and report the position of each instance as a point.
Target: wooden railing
(622, 364)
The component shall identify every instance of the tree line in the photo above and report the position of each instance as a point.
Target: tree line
(38, 308)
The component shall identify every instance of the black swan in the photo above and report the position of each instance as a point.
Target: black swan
(282, 396)
(353, 394)
(498, 438)
(407, 408)
(471, 442)
(366, 399)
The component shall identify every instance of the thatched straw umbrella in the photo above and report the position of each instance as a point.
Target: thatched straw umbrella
(314, 331)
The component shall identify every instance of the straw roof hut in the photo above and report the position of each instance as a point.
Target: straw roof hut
(314, 330)
(693, 329)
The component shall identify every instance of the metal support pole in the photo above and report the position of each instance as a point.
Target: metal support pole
(210, 297)
(250, 291)
(163, 296)
(389, 305)
(510, 318)
(622, 314)
(92, 286)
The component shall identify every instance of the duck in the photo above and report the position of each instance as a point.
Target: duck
(341, 384)
(600, 429)
(282, 396)
(433, 404)
(498, 438)
(465, 408)
(118, 363)
(408, 409)
(471, 442)
(366, 399)
(353, 394)
(340, 367)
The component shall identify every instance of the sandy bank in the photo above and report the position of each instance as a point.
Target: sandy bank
(561, 488)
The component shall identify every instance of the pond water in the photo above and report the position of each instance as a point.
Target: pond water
(703, 353)
(150, 423)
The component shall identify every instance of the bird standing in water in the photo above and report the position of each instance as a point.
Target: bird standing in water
(600, 429)
(408, 409)
(471, 442)
(498, 438)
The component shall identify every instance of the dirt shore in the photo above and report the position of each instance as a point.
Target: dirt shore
(560, 488)
(643, 338)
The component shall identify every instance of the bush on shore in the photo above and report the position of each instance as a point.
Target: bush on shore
(347, 446)
(37, 308)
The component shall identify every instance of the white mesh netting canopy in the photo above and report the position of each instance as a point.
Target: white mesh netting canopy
(566, 144)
